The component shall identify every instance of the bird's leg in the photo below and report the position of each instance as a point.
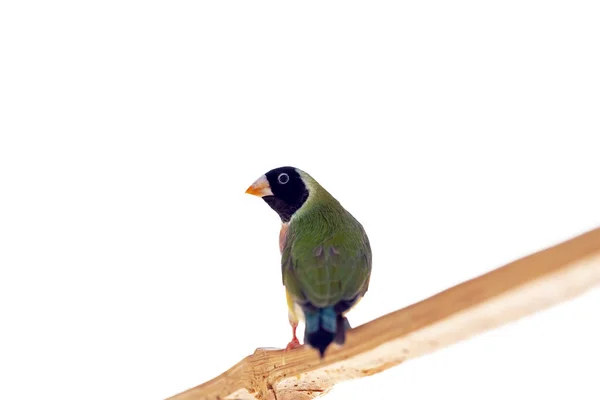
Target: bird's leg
(294, 342)
(293, 318)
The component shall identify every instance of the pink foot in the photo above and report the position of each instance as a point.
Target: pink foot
(293, 344)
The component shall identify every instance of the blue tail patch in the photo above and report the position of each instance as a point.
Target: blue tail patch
(322, 327)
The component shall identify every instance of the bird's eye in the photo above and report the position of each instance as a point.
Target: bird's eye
(283, 178)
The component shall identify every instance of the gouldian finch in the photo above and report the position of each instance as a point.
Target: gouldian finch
(325, 255)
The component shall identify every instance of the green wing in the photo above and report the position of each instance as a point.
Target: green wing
(325, 262)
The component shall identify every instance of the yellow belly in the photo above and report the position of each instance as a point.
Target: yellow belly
(295, 313)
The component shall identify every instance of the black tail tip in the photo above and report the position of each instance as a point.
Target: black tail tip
(320, 340)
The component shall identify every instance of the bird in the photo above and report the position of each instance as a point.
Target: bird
(325, 255)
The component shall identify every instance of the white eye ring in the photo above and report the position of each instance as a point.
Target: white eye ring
(283, 178)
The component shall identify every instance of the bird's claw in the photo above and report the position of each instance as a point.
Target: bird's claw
(293, 344)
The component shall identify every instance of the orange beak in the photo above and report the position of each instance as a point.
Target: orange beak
(260, 187)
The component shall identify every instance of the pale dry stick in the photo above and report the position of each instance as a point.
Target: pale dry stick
(520, 288)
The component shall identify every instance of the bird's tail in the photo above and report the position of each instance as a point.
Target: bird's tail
(324, 326)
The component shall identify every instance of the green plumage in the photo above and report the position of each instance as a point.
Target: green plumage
(326, 257)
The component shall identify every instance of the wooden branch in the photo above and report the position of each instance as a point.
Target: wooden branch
(508, 293)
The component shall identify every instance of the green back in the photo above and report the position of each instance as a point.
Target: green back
(327, 256)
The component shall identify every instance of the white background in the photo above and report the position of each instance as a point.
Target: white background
(463, 135)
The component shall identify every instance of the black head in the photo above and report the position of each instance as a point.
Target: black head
(282, 189)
